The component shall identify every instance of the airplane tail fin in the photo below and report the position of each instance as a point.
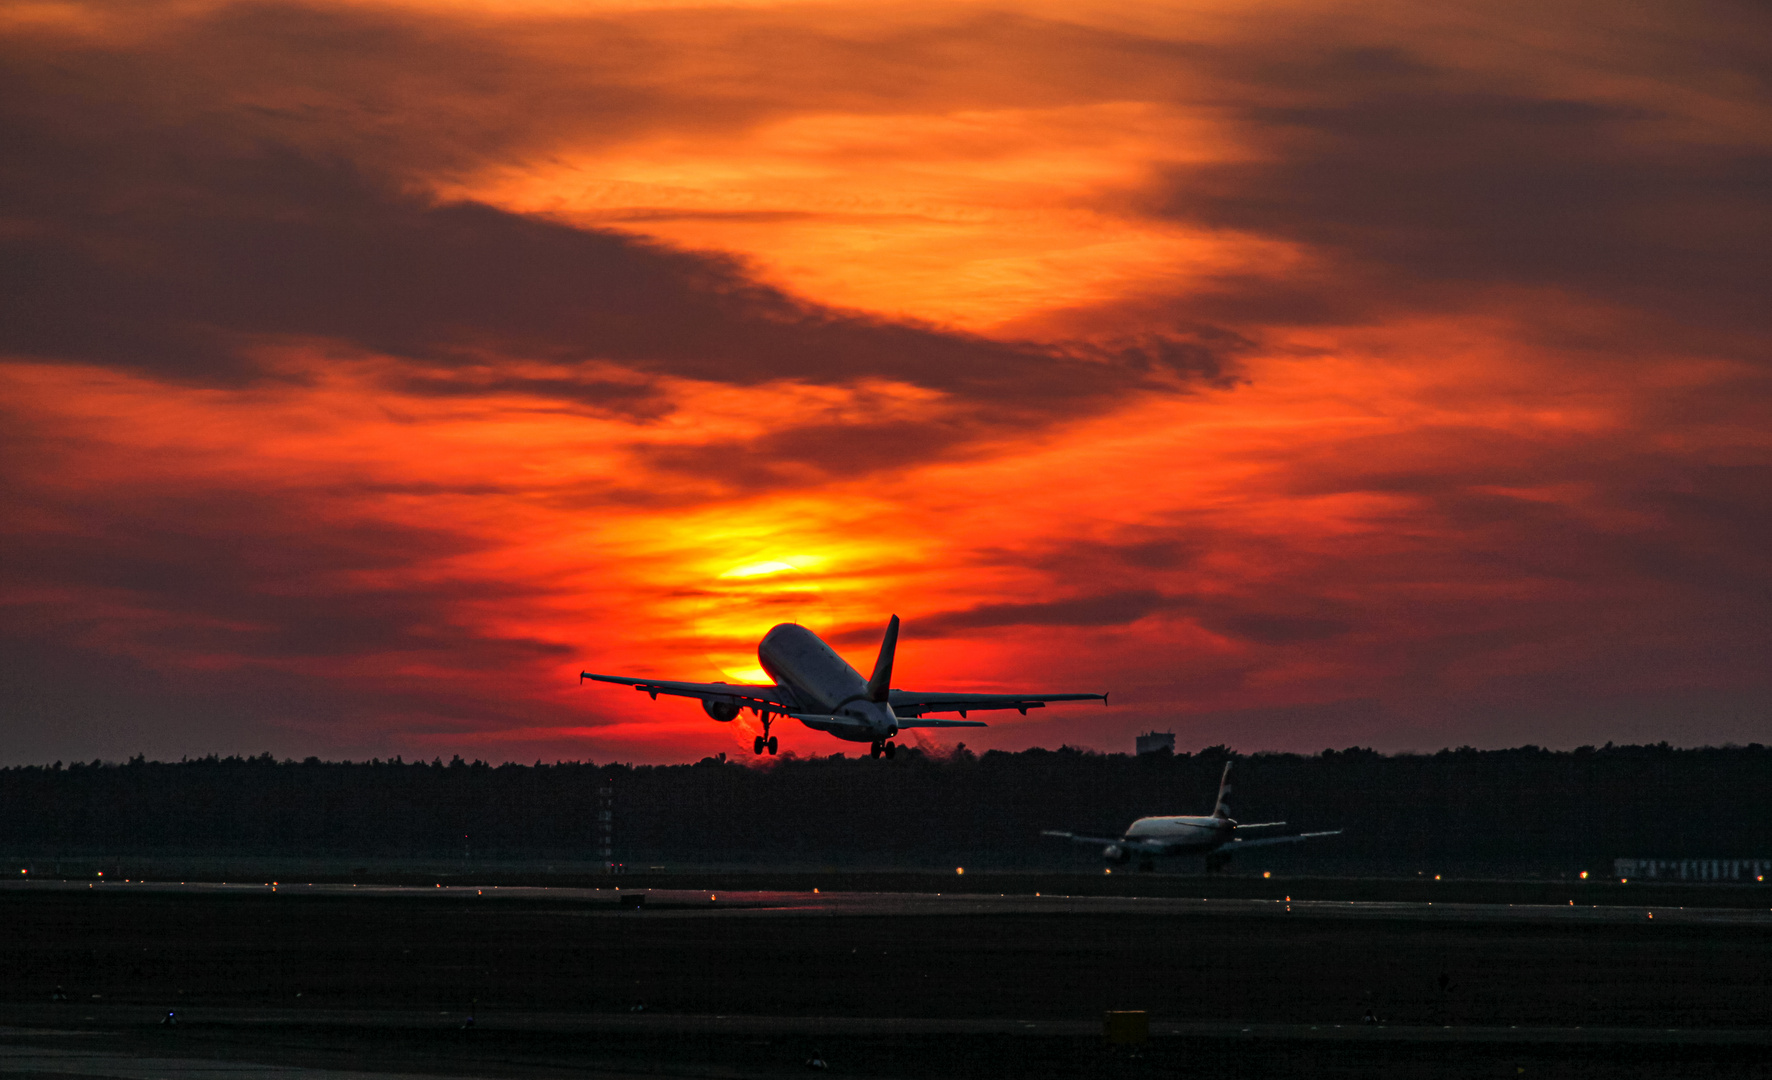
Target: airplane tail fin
(1222, 809)
(880, 685)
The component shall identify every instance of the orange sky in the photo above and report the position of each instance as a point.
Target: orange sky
(1306, 375)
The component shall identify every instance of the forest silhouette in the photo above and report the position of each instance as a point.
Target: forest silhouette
(1526, 809)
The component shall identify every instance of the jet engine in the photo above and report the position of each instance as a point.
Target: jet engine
(720, 710)
(1116, 854)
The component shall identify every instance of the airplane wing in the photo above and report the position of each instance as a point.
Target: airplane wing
(1236, 843)
(913, 703)
(1076, 839)
(763, 697)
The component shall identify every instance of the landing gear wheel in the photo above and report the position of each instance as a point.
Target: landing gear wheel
(771, 744)
(757, 745)
(875, 750)
(891, 749)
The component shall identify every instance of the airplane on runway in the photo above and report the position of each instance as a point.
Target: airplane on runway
(818, 688)
(1214, 837)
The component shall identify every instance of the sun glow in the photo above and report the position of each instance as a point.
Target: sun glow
(734, 610)
(757, 569)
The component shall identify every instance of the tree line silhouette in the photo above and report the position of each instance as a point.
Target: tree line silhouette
(1524, 808)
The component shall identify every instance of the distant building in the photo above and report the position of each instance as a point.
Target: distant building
(1157, 742)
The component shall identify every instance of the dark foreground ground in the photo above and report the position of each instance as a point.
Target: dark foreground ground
(574, 986)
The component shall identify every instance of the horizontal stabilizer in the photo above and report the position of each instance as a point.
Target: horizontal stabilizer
(827, 720)
(914, 703)
(920, 722)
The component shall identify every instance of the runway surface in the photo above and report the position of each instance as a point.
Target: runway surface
(29, 1024)
(39, 1060)
(720, 903)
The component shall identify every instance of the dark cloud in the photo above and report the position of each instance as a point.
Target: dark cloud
(1410, 178)
(1278, 629)
(1162, 554)
(1227, 616)
(1414, 180)
(809, 454)
(169, 615)
(1110, 609)
(189, 290)
(397, 92)
(637, 400)
(252, 577)
(186, 225)
(1601, 509)
(179, 237)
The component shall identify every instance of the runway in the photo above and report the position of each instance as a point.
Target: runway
(41, 1060)
(682, 903)
(33, 1023)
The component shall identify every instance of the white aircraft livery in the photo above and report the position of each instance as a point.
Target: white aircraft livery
(818, 688)
(1214, 837)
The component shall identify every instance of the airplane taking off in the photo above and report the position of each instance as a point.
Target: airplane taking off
(1213, 837)
(818, 688)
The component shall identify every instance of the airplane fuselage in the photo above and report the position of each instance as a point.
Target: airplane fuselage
(1180, 835)
(823, 682)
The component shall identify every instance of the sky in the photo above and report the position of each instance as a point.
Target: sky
(1305, 374)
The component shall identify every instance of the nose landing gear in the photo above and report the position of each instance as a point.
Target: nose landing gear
(887, 747)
